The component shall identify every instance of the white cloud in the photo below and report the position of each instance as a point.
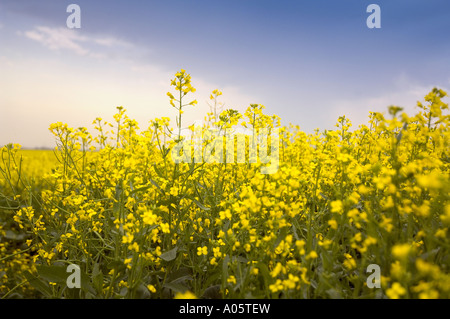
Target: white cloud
(73, 40)
(111, 42)
(58, 39)
(77, 93)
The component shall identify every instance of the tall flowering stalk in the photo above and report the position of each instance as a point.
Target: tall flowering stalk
(182, 84)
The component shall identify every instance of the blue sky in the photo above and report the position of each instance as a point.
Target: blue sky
(307, 61)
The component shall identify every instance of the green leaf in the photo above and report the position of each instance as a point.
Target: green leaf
(280, 237)
(96, 270)
(119, 189)
(141, 292)
(158, 171)
(166, 151)
(265, 274)
(177, 280)
(212, 279)
(182, 273)
(55, 274)
(176, 286)
(334, 293)
(324, 196)
(225, 262)
(140, 189)
(241, 259)
(85, 284)
(156, 184)
(117, 265)
(38, 284)
(169, 255)
(9, 234)
(200, 205)
(97, 278)
(198, 184)
(123, 292)
(59, 274)
(191, 168)
(212, 292)
(116, 209)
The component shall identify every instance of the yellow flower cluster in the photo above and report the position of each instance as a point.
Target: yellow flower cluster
(142, 226)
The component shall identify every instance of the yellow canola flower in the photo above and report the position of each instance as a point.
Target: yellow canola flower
(231, 279)
(445, 217)
(202, 251)
(149, 218)
(431, 181)
(165, 228)
(333, 224)
(312, 255)
(337, 206)
(375, 193)
(185, 295)
(426, 268)
(349, 262)
(396, 291)
(402, 251)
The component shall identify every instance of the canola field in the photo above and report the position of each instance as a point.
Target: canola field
(140, 223)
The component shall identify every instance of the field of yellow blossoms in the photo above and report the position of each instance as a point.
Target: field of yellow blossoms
(141, 225)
